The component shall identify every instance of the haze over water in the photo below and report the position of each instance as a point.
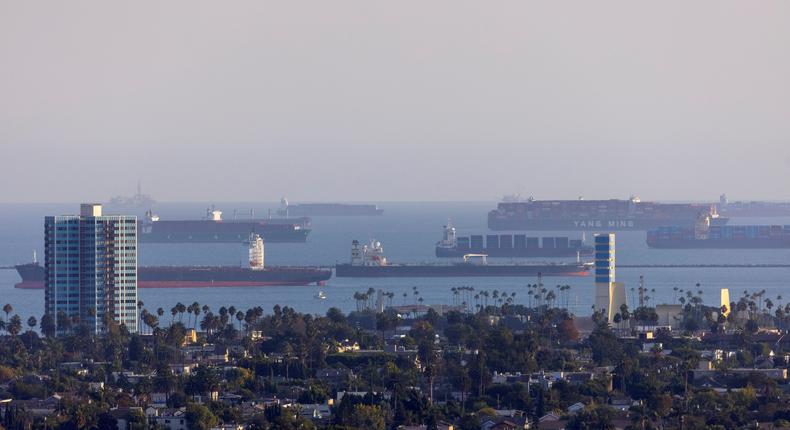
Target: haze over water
(412, 102)
(408, 232)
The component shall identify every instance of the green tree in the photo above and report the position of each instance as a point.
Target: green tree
(369, 417)
(200, 417)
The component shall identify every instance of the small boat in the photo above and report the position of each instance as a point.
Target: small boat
(320, 295)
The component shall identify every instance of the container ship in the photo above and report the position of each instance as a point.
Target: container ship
(213, 228)
(753, 208)
(368, 261)
(509, 245)
(723, 237)
(587, 215)
(327, 209)
(256, 275)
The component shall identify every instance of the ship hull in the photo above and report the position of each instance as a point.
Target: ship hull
(458, 270)
(200, 276)
(445, 252)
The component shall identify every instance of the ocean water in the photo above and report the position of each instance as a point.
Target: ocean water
(408, 232)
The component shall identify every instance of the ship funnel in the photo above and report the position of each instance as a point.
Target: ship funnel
(256, 252)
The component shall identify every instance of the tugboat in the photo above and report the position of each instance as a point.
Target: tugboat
(368, 261)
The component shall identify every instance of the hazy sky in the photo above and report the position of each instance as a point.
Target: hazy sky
(406, 100)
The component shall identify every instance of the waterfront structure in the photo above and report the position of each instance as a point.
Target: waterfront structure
(609, 294)
(90, 269)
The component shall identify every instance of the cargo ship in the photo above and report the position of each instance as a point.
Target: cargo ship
(590, 215)
(327, 209)
(213, 228)
(256, 275)
(509, 245)
(368, 261)
(753, 208)
(722, 237)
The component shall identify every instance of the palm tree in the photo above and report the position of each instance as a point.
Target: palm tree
(240, 318)
(31, 323)
(196, 311)
(14, 326)
(181, 308)
(189, 311)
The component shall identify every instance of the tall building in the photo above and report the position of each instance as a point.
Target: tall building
(609, 294)
(90, 266)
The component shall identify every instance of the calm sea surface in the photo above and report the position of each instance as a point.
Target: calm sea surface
(408, 232)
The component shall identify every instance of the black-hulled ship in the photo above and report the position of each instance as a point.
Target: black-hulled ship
(327, 209)
(256, 275)
(368, 261)
(213, 228)
(591, 215)
(509, 246)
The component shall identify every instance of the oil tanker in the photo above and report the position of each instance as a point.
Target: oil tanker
(327, 209)
(255, 275)
(509, 246)
(590, 215)
(723, 237)
(214, 229)
(368, 261)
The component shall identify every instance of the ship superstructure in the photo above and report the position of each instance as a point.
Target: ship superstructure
(592, 215)
(138, 200)
(509, 245)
